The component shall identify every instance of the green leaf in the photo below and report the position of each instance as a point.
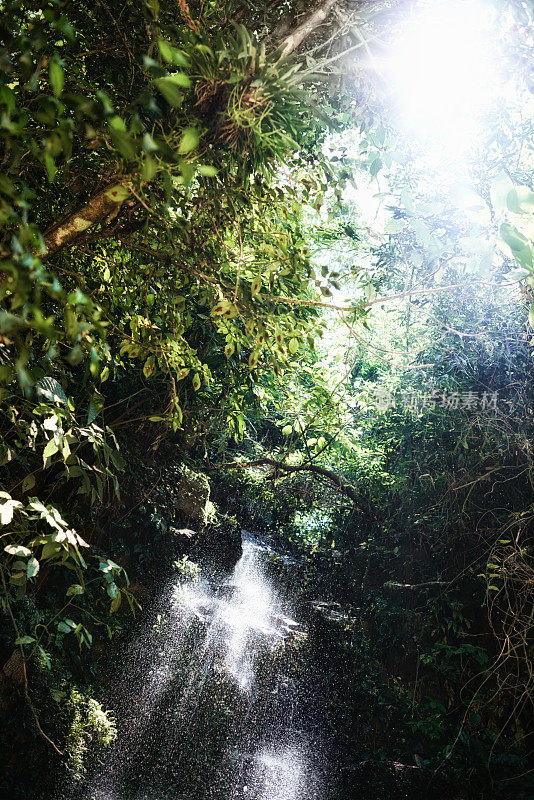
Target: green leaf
(45, 657)
(115, 603)
(94, 408)
(63, 628)
(149, 367)
(28, 482)
(518, 274)
(17, 550)
(118, 194)
(24, 640)
(50, 550)
(255, 286)
(171, 54)
(188, 141)
(112, 590)
(124, 144)
(513, 238)
(170, 90)
(207, 171)
(287, 430)
(66, 626)
(117, 123)
(75, 589)
(33, 567)
(57, 76)
(150, 168)
(7, 510)
(518, 244)
(50, 449)
(500, 188)
(180, 79)
(51, 389)
(51, 168)
(375, 167)
(520, 200)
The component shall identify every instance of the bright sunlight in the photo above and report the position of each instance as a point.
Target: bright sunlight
(443, 71)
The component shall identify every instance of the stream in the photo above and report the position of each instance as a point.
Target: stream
(214, 702)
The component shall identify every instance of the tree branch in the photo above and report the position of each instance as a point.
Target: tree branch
(345, 488)
(294, 39)
(22, 659)
(103, 205)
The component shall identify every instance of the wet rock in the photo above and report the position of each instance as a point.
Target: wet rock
(333, 612)
(140, 592)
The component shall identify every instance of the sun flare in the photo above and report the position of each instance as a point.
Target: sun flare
(443, 72)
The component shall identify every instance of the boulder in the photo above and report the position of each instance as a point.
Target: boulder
(193, 496)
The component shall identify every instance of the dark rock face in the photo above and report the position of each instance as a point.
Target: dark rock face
(219, 536)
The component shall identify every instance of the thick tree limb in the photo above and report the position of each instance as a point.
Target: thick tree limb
(345, 488)
(294, 39)
(105, 204)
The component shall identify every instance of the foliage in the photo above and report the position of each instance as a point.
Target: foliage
(90, 725)
(187, 262)
(147, 231)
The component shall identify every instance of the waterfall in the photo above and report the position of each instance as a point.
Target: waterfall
(212, 704)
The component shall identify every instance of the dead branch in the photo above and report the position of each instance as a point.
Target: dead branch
(22, 661)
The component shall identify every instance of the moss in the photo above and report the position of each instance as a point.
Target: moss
(91, 727)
